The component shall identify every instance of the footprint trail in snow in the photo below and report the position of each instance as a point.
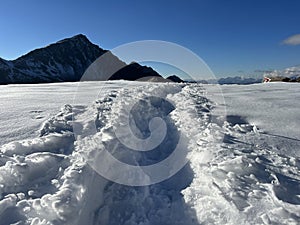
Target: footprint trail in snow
(232, 174)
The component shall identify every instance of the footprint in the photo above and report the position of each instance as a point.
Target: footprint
(36, 111)
(35, 114)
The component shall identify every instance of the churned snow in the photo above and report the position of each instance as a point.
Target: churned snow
(240, 145)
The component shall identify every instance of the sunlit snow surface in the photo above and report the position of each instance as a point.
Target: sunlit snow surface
(243, 166)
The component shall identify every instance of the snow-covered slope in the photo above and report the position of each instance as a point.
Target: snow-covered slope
(235, 173)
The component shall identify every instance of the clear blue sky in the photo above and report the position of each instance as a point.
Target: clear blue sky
(234, 37)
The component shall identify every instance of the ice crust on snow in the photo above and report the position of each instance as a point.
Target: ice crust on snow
(235, 173)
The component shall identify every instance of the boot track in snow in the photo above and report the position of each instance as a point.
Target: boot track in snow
(226, 173)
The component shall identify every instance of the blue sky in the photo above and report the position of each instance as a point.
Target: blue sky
(233, 37)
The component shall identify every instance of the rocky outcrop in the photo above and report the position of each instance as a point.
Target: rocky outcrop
(65, 61)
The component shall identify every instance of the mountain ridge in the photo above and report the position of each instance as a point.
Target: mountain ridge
(65, 61)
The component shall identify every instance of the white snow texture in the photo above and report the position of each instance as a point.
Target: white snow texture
(242, 167)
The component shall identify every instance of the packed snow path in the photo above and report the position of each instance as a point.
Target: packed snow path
(233, 174)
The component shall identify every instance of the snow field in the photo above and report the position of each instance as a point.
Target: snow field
(235, 174)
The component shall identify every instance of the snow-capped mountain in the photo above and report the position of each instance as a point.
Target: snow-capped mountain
(65, 60)
(291, 73)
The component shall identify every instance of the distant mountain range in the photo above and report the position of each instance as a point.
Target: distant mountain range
(239, 80)
(231, 80)
(291, 74)
(66, 61)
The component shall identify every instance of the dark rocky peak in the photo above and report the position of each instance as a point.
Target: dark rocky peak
(67, 60)
(77, 46)
(77, 38)
(134, 71)
(3, 61)
(175, 79)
